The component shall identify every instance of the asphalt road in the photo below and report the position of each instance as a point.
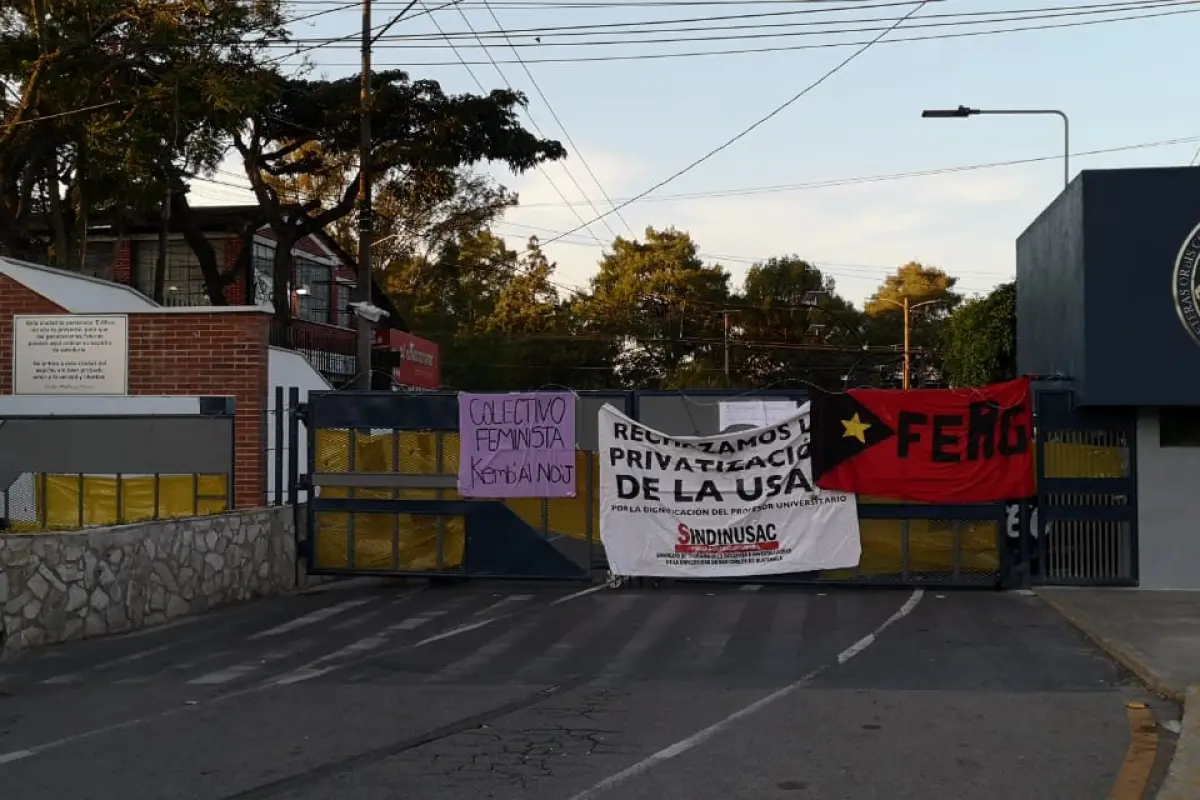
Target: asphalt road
(506, 691)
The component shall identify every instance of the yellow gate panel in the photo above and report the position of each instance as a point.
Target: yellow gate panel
(69, 502)
(374, 535)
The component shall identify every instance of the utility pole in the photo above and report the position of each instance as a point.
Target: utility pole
(906, 308)
(725, 313)
(366, 216)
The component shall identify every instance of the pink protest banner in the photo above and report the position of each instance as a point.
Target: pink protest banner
(516, 445)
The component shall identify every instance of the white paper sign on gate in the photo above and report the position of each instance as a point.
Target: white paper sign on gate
(730, 505)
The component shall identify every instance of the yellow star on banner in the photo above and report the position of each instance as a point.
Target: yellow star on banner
(855, 428)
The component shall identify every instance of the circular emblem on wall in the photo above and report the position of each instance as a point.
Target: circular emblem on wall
(1185, 287)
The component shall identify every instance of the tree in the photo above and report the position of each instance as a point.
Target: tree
(498, 317)
(417, 212)
(815, 334)
(660, 299)
(927, 287)
(979, 340)
(419, 134)
(112, 105)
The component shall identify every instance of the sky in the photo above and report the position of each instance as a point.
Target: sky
(817, 180)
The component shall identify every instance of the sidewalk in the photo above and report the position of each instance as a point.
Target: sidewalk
(1155, 635)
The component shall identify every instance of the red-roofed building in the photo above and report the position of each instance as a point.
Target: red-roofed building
(324, 278)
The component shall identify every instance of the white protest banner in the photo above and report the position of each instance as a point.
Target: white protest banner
(719, 506)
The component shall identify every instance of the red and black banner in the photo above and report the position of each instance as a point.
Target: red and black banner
(927, 445)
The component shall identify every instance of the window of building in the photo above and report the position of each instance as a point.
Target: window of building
(262, 263)
(1179, 426)
(183, 284)
(345, 295)
(97, 261)
(317, 280)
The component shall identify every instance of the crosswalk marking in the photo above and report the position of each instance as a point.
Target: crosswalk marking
(77, 677)
(302, 674)
(437, 637)
(319, 615)
(62, 680)
(615, 636)
(705, 650)
(412, 623)
(503, 603)
(482, 655)
(136, 680)
(645, 637)
(225, 675)
(239, 671)
(576, 638)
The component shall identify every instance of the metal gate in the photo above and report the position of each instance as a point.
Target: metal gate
(382, 477)
(1084, 525)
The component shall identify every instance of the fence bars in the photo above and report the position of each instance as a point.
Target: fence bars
(278, 425)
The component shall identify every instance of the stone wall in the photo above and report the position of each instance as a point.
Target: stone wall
(59, 587)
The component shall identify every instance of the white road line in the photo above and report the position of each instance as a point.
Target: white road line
(412, 623)
(354, 648)
(238, 671)
(15, 755)
(702, 736)
(705, 650)
(454, 632)
(319, 615)
(751, 587)
(77, 677)
(644, 637)
(578, 594)
(579, 636)
(506, 601)
(62, 680)
(472, 661)
(302, 674)
(224, 676)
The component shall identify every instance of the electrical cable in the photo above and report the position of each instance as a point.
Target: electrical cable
(654, 56)
(554, 114)
(762, 120)
(538, 129)
(835, 183)
(630, 29)
(540, 168)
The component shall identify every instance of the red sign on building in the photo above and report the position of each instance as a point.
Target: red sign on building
(420, 364)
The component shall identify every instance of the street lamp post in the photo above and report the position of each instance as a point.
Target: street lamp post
(963, 112)
(907, 309)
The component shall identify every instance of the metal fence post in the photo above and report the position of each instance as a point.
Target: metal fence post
(280, 411)
(293, 482)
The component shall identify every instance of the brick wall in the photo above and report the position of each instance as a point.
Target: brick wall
(211, 353)
(194, 352)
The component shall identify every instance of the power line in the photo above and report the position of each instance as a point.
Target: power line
(763, 120)
(593, 5)
(574, 147)
(796, 47)
(538, 129)
(835, 183)
(540, 168)
(644, 28)
(577, 29)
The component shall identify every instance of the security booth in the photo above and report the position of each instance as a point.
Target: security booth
(1108, 323)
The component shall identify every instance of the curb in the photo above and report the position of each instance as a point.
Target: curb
(1183, 776)
(1132, 661)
